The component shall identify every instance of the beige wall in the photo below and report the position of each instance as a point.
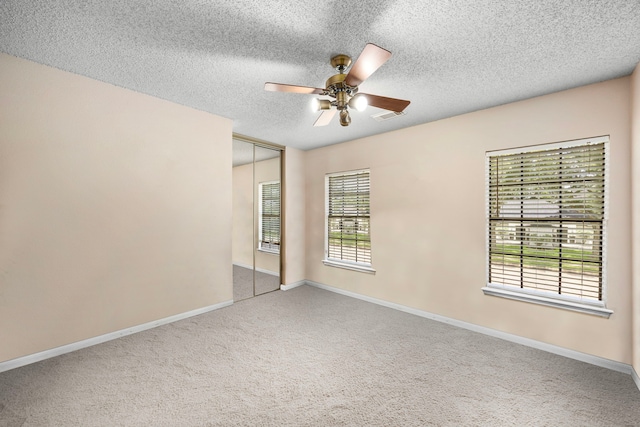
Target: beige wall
(635, 126)
(115, 208)
(428, 215)
(105, 221)
(245, 214)
(295, 202)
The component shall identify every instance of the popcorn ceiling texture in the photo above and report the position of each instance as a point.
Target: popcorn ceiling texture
(449, 57)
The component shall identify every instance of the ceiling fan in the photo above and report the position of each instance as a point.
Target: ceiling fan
(343, 88)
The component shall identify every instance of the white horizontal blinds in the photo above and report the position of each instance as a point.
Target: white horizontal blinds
(349, 218)
(270, 216)
(546, 212)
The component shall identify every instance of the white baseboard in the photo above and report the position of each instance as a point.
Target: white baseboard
(261, 270)
(37, 357)
(293, 285)
(572, 354)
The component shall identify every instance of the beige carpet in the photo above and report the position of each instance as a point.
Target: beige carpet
(308, 357)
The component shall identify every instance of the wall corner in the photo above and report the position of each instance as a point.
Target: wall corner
(635, 215)
(294, 200)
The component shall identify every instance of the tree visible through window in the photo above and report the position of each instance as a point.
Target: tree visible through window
(546, 219)
(269, 223)
(348, 218)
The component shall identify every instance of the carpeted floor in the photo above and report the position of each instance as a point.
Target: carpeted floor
(308, 357)
(243, 283)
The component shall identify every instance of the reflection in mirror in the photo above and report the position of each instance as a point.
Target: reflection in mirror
(267, 220)
(242, 229)
(256, 220)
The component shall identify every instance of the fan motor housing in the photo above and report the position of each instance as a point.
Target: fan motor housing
(336, 81)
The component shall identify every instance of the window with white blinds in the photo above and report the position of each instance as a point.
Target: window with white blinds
(348, 220)
(546, 220)
(269, 216)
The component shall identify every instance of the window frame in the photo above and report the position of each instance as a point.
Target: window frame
(365, 267)
(548, 298)
(260, 226)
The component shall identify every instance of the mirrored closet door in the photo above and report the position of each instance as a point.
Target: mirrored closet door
(256, 218)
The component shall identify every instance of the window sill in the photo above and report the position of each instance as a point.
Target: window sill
(269, 251)
(580, 307)
(350, 266)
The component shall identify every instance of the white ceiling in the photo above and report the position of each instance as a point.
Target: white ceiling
(449, 56)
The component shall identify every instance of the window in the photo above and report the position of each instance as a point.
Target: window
(269, 216)
(348, 217)
(546, 224)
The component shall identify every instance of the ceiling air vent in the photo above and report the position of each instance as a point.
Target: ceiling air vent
(386, 115)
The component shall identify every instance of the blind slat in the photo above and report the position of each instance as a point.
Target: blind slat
(545, 212)
(270, 216)
(348, 217)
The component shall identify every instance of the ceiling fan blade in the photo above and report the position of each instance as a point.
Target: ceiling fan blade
(391, 104)
(325, 117)
(279, 87)
(371, 58)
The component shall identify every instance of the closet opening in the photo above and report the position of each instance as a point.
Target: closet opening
(257, 217)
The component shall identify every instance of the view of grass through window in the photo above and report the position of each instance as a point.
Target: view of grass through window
(546, 213)
(348, 217)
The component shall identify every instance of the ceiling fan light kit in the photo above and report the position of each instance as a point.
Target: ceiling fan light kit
(320, 104)
(343, 88)
(358, 102)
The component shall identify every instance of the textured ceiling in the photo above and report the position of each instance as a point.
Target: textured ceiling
(449, 56)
